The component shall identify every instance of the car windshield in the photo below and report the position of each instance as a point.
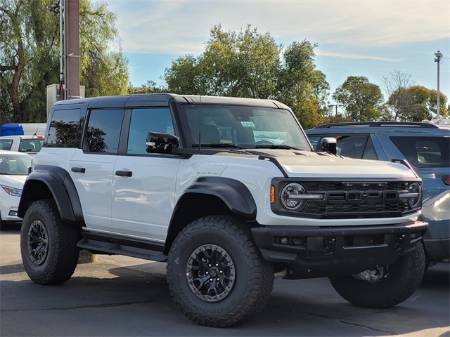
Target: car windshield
(30, 145)
(224, 126)
(14, 164)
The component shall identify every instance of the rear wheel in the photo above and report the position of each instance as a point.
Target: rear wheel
(384, 286)
(216, 274)
(48, 246)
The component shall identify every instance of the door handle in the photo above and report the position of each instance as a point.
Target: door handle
(78, 169)
(124, 173)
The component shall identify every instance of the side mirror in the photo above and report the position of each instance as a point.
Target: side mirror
(158, 142)
(328, 144)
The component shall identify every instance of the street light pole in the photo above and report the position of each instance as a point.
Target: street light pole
(438, 55)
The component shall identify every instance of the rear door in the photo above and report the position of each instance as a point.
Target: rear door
(92, 166)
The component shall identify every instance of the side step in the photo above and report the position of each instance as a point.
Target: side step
(113, 244)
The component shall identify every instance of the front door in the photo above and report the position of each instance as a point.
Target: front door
(144, 184)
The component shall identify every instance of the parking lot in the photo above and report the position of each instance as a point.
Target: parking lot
(118, 296)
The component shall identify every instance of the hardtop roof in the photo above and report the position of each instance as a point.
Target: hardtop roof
(165, 98)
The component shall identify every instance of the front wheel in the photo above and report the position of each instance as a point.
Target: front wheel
(384, 286)
(216, 273)
(48, 245)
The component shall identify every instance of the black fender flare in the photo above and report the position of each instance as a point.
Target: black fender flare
(62, 188)
(234, 194)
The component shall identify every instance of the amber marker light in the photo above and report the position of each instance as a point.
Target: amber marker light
(272, 194)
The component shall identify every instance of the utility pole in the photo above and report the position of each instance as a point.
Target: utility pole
(69, 21)
(438, 55)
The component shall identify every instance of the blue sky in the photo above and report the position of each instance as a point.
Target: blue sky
(365, 37)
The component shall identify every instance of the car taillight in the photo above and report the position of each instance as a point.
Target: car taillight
(446, 180)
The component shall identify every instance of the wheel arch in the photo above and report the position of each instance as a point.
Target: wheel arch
(211, 196)
(52, 182)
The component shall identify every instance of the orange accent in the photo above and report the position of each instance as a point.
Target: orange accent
(272, 194)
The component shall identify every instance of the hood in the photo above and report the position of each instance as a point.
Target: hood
(13, 181)
(317, 165)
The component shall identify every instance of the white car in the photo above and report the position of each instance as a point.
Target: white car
(28, 144)
(14, 168)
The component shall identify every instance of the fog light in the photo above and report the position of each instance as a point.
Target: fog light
(12, 213)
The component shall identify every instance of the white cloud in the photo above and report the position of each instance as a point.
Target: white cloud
(355, 56)
(183, 26)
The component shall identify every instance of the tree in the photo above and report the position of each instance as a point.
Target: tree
(149, 88)
(395, 86)
(251, 64)
(418, 103)
(29, 55)
(362, 100)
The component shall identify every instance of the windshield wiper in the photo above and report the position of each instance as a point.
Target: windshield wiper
(280, 146)
(220, 146)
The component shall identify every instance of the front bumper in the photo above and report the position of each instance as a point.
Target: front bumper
(327, 251)
(8, 208)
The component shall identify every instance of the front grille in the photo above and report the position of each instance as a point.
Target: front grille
(355, 200)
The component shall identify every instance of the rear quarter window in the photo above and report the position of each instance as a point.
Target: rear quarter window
(425, 152)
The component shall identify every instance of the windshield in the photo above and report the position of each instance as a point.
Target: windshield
(14, 164)
(242, 127)
(30, 145)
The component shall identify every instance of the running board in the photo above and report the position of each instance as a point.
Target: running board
(120, 245)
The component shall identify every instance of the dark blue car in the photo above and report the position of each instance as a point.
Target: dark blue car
(425, 146)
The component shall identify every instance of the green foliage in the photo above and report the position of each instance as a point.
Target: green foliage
(102, 72)
(416, 103)
(361, 99)
(250, 64)
(149, 88)
(29, 55)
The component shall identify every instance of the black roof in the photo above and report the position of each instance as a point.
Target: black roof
(164, 99)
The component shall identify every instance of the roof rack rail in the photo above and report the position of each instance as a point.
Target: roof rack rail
(382, 124)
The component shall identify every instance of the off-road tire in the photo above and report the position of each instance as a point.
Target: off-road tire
(404, 277)
(62, 254)
(254, 276)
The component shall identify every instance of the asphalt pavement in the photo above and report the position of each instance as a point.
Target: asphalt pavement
(120, 296)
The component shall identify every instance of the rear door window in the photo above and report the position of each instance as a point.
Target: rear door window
(30, 145)
(103, 130)
(5, 144)
(425, 152)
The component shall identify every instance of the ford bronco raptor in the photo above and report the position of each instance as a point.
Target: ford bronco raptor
(228, 192)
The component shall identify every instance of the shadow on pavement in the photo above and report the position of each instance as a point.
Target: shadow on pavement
(135, 300)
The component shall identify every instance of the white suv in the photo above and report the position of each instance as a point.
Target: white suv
(228, 191)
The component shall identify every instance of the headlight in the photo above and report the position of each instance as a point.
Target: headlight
(413, 195)
(291, 196)
(15, 192)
